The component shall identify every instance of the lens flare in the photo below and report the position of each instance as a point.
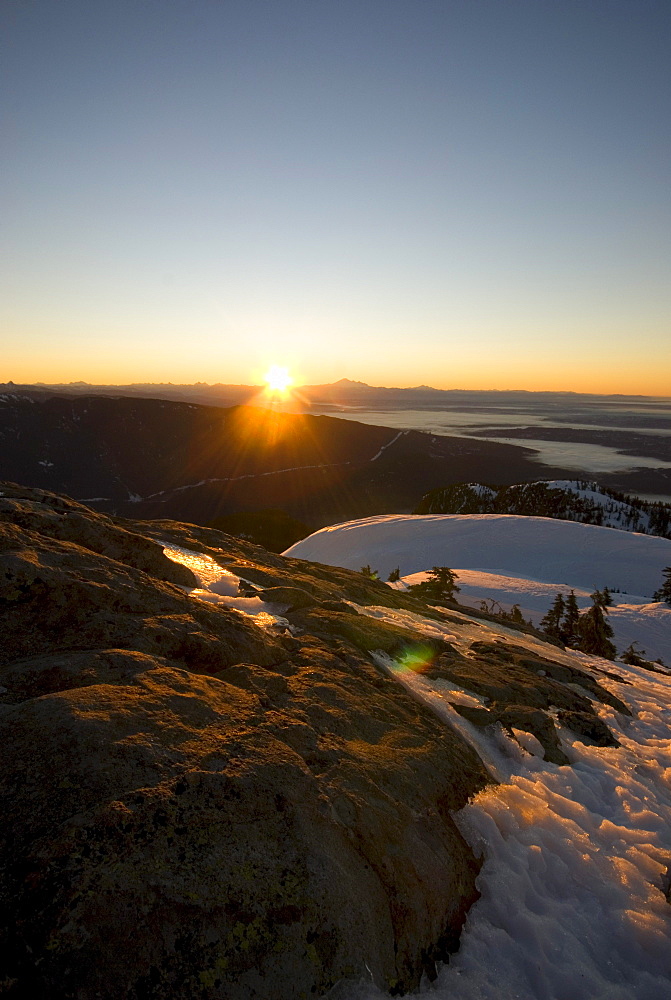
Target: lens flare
(414, 659)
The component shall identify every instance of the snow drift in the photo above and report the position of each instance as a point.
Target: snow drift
(536, 548)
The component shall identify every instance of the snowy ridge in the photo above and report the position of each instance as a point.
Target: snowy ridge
(572, 500)
(534, 548)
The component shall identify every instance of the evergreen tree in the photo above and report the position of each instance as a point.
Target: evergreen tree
(550, 624)
(370, 574)
(595, 633)
(636, 657)
(569, 628)
(441, 585)
(664, 592)
(515, 615)
(602, 598)
(394, 575)
(445, 582)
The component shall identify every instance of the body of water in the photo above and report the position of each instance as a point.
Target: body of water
(590, 459)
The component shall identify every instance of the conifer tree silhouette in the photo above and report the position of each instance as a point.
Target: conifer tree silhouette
(595, 633)
(569, 630)
(551, 623)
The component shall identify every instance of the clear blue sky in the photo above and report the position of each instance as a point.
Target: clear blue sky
(465, 194)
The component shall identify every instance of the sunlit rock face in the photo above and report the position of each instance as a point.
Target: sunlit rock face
(196, 805)
(231, 774)
(52, 516)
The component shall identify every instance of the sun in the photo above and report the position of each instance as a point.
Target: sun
(278, 379)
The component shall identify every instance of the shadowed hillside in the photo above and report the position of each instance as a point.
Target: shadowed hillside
(154, 458)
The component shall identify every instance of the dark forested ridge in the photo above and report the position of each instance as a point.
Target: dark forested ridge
(586, 502)
(155, 458)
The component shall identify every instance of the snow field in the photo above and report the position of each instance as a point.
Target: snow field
(575, 859)
(535, 548)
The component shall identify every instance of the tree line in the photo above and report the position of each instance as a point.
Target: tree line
(588, 632)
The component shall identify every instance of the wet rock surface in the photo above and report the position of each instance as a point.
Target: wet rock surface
(195, 806)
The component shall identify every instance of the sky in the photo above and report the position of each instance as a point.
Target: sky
(460, 193)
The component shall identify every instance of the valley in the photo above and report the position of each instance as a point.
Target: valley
(154, 458)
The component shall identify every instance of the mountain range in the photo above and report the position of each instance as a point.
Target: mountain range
(352, 393)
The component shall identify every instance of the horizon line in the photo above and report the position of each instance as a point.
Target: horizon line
(343, 382)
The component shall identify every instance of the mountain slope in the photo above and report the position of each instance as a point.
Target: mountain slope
(571, 500)
(231, 774)
(155, 458)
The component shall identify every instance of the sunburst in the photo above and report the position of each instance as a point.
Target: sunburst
(278, 379)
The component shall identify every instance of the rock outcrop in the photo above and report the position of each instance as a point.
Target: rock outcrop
(195, 806)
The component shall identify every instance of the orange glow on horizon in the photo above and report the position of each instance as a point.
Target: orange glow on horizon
(636, 378)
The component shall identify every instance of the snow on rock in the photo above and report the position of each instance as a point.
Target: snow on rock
(576, 860)
(575, 863)
(218, 586)
(535, 548)
(633, 617)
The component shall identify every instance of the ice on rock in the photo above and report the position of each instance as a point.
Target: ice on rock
(218, 586)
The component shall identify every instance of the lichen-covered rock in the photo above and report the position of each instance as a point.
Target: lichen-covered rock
(197, 807)
(508, 674)
(194, 807)
(523, 692)
(293, 598)
(54, 516)
(59, 595)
